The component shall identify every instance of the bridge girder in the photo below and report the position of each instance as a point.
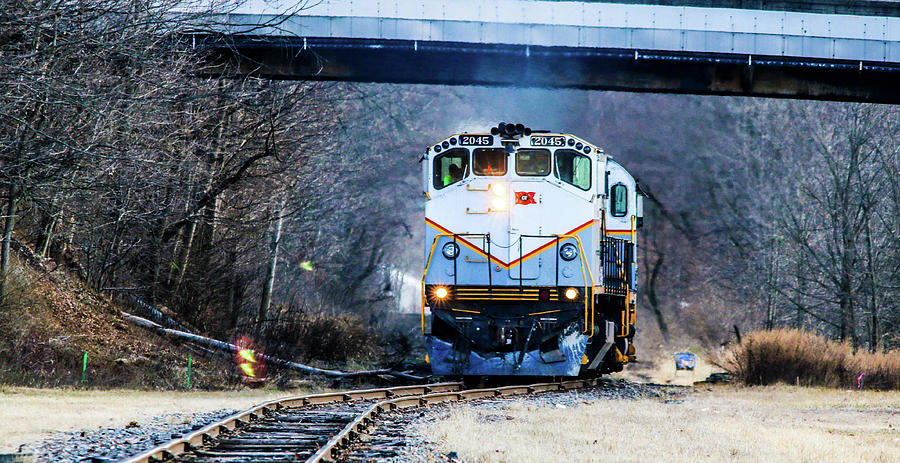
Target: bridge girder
(454, 63)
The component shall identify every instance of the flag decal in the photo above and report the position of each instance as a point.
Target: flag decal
(525, 197)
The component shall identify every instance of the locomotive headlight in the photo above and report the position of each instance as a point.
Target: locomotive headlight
(571, 293)
(498, 189)
(499, 204)
(450, 251)
(440, 293)
(568, 252)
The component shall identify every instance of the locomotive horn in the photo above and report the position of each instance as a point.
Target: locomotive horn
(510, 130)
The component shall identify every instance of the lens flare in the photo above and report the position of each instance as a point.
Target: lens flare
(440, 293)
(498, 189)
(571, 293)
(499, 204)
(247, 355)
(250, 361)
(306, 265)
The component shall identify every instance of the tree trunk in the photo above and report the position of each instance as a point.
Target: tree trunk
(12, 205)
(233, 304)
(185, 254)
(771, 283)
(266, 300)
(47, 229)
(159, 251)
(653, 299)
(873, 294)
(801, 284)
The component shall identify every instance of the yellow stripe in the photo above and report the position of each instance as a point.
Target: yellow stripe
(543, 313)
(467, 311)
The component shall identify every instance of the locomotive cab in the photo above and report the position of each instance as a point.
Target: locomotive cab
(529, 256)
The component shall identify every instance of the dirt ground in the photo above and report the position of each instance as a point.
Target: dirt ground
(31, 414)
(722, 423)
(661, 370)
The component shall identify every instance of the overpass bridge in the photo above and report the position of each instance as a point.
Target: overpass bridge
(819, 49)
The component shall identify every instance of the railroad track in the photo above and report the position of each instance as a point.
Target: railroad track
(321, 427)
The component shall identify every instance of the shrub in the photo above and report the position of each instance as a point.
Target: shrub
(794, 356)
(326, 338)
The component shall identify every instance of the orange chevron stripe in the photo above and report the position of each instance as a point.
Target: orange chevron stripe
(466, 243)
(531, 254)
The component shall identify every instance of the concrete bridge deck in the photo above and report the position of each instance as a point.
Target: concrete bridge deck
(602, 45)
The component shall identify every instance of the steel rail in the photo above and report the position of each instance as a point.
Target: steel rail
(396, 398)
(197, 439)
(368, 418)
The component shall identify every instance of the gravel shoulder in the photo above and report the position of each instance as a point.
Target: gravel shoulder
(66, 425)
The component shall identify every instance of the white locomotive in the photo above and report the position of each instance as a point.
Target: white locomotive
(529, 257)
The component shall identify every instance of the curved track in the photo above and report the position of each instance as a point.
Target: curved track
(319, 427)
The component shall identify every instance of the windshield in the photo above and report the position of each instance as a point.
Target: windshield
(490, 161)
(573, 168)
(450, 167)
(532, 163)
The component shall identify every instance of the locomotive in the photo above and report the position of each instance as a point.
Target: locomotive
(530, 262)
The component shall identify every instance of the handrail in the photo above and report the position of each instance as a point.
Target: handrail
(623, 276)
(614, 259)
(584, 264)
(632, 314)
(428, 264)
(425, 273)
(586, 275)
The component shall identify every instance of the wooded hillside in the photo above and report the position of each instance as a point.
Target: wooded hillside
(240, 204)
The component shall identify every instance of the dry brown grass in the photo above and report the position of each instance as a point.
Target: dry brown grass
(51, 319)
(793, 356)
(772, 424)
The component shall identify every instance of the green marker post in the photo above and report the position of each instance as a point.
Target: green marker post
(84, 368)
(190, 361)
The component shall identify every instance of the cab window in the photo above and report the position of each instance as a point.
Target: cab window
(533, 163)
(573, 168)
(489, 161)
(619, 198)
(450, 167)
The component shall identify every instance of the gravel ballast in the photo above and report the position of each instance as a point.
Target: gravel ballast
(404, 429)
(116, 443)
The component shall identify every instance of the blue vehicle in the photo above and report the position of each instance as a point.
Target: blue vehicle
(529, 255)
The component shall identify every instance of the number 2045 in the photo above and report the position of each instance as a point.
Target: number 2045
(476, 140)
